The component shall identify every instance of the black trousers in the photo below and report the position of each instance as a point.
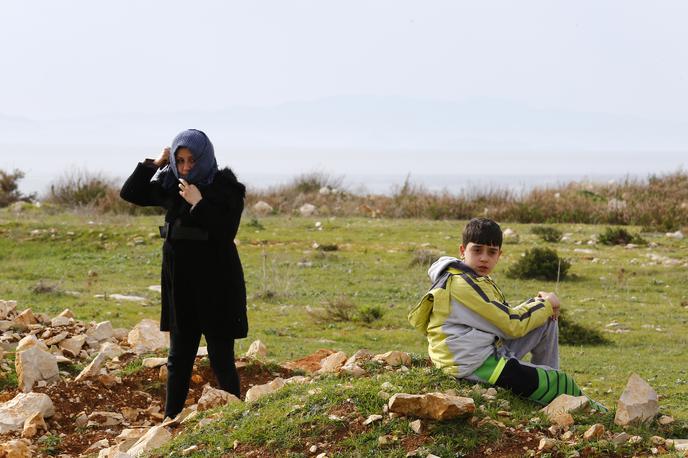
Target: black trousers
(180, 361)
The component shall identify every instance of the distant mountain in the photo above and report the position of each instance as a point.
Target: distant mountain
(371, 123)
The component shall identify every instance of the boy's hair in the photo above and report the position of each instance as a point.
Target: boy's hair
(482, 231)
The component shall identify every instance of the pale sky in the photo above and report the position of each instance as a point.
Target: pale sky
(626, 60)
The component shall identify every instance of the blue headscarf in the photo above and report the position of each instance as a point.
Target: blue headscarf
(205, 165)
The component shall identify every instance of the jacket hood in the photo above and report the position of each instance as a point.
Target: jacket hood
(437, 270)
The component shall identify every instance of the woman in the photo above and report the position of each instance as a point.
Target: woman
(203, 289)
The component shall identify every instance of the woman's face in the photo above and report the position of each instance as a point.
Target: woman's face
(185, 161)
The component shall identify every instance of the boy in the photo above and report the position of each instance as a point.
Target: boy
(473, 333)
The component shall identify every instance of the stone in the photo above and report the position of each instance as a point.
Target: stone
(657, 440)
(638, 402)
(99, 445)
(60, 321)
(394, 358)
(546, 444)
(162, 375)
(130, 414)
(491, 392)
(594, 432)
(568, 435)
(372, 419)
(259, 391)
(202, 351)
(101, 331)
(108, 380)
(510, 235)
(565, 404)
(417, 426)
(35, 365)
(17, 448)
(665, 420)
(353, 369)
(100, 418)
(67, 314)
(93, 369)
(678, 235)
(6, 308)
(146, 337)
(621, 438)
(189, 450)
(307, 210)
(155, 437)
(212, 397)
(358, 357)
(56, 339)
(28, 342)
(72, 346)
(257, 350)
(152, 363)
(332, 363)
(15, 412)
(262, 208)
(297, 379)
(436, 406)
(111, 350)
(680, 445)
(24, 319)
(33, 425)
(561, 419)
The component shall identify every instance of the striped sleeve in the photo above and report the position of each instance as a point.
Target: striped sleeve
(513, 322)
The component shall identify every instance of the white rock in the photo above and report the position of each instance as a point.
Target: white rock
(359, 356)
(307, 210)
(417, 426)
(372, 419)
(99, 418)
(547, 444)
(638, 403)
(678, 235)
(33, 425)
(621, 438)
(156, 288)
(156, 437)
(128, 437)
(67, 314)
(14, 413)
(594, 432)
(147, 337)
(332, 363)
(262, 208)
(59, 321)
(35, 365)
(565, 403)
(30, 341)
(16, 448)
(25, 319)
(202, 351)
(111, 350)
(257, 349)
(56, 339)
(680, 445)
(7, 307)
(72, 345)
(665, 420)
(154, 362)
(353, 369)
(212, 397)
(259, 391)
(394, 358)
(101, 331)
(93, 369)
(297, 379)
(99, 445)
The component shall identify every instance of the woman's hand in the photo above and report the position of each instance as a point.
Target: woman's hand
(189, 192)
(164, 158)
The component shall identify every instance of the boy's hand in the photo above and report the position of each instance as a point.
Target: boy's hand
(553, 300)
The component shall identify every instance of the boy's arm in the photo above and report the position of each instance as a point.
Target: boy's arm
(513, 322)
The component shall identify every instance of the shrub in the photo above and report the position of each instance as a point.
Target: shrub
(339, 309)
(619, 236)
(547, 233)
(424, 257)
(312, 182)
(9, 188)
(541, 264)
(370, 313)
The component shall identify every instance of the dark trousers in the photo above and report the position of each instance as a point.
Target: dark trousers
(180, 361)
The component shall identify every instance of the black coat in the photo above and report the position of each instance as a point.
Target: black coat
(202, 279)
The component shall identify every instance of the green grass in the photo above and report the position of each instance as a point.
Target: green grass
(372, 267)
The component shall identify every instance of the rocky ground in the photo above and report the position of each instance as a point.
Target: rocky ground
(90, 389)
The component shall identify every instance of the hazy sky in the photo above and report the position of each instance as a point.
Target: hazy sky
(76, 59)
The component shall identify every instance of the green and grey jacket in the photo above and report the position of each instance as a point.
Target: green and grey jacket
(465, 317)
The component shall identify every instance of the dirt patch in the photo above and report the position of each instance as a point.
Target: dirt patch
(140, 398)
(310, 363)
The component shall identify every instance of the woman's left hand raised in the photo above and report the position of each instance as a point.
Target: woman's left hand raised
(189, 192)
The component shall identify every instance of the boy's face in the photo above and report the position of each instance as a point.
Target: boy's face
(481, 258)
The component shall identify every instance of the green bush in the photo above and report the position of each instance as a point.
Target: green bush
(9, 188)
(547, 233)
(370, 313)
(541, 264)
(619, 236)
